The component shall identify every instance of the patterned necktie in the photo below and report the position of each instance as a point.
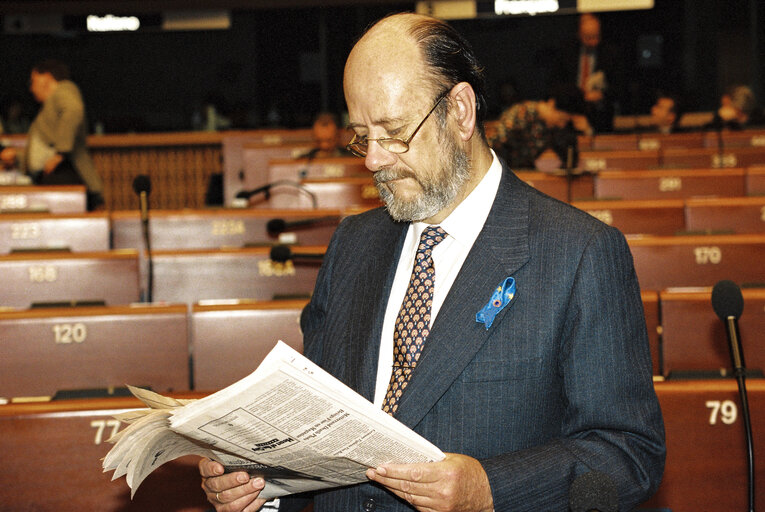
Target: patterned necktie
(413, 321)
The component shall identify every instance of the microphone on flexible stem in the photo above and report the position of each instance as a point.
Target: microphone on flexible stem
(593, 492)
(282, 253)
(728, 303)
(275, 227)
(142, 187)
(247, 194)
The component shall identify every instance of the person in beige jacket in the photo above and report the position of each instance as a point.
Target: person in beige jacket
(56, 151)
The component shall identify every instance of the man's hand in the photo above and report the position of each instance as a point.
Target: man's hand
(456, 484)
(231, 492)
(52, 163)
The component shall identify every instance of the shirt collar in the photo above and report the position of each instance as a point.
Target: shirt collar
(465, 222)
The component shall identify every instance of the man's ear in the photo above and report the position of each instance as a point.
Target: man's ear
(463, 100)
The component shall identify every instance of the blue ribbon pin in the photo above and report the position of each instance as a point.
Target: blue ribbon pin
(502, 296)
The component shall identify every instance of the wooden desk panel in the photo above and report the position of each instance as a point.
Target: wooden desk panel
(737, 139)
(694, 337)
(76, 232)
(338, 193)
(196, 275)
(58, 276)
(231, 227)
(665, 262)
(53, 453)
(51, 199)
(658, 141)
(706, 466)
(296, 170)
(614, 142)
(557, 186)
(755, 180)
(43, 351)
(230, 341)
(735, 214)
(233, 155)
(713, 157)
(669, 183)
(656, 217)
(597, 161)
(253, 171)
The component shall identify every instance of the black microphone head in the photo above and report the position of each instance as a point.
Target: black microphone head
(276, 226)
(243, 194)
(593, 491)
(727, 299)
(280, 253)
(142, 183)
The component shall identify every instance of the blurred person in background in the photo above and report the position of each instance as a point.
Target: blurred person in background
(529, 129)
(56, 151)
(596, 67)
(326, 137)
(738, 110)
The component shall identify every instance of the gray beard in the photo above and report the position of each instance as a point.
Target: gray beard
(438, 191)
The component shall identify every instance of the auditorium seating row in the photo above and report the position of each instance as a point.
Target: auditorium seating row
(648, 141)
(320, 191)
(209, 345)
(56, 448)
(251, 163)
(209, 229)
(70, 350)
(190, 275)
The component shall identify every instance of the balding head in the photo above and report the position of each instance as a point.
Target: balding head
(589, 30)
(422, 52)
(412, 105)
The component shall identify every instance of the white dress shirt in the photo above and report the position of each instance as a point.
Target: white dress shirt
(462, 227)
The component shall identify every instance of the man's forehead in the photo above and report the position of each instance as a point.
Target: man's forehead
(384, 80)
(388, 100)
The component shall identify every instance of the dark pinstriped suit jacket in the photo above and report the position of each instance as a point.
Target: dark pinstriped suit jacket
(559, 385)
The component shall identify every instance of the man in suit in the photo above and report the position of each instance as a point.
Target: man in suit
(550, 381)
(56, 151)
(596, 67)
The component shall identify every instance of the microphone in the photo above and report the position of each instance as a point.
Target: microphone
(278, 226)
(247, 194)
(142, 187)
(593, 492)
(282, 253)
(728, 303)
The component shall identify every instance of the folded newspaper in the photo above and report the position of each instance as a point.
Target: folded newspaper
(289, 421)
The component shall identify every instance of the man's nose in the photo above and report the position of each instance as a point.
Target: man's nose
(377, 157)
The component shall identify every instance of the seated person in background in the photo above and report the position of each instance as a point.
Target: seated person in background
(326, 137)
(738, 110)
(529, 129)
(665, 114)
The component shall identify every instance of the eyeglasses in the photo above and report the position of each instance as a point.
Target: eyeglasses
(359, 144)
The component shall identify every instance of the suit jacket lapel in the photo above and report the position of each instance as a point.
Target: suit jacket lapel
(375, 281)
(502, 247)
